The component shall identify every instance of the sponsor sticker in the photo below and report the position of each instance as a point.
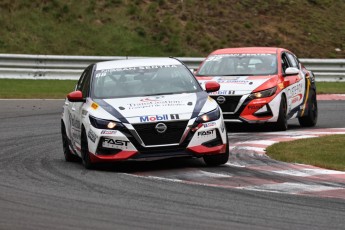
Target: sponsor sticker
(297, 98)
(254, 107)
(108, 132)
(92, 136)
(104, 72)
(206, 133)
(296, 89)
(152, 102)
(223, 92)
(210, 124)
(116, 144)
(241, 82)
(164, 117)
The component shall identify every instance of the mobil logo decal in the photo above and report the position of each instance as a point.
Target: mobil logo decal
(154, 118)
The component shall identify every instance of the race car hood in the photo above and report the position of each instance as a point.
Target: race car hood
(238, 85)
(158, 108)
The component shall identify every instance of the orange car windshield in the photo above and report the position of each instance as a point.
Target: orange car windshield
(239, 65)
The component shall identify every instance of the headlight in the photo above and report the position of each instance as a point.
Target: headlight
(264, 93)
(104, 124)
(210, 116)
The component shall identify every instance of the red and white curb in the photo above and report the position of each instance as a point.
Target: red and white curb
(249, 168)
(259, 146)
(330, 97)
(293, 178)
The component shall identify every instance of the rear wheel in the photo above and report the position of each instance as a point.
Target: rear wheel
(69, 156)
(85, 155)
(219, 159)
(282, 124)
(311, 118)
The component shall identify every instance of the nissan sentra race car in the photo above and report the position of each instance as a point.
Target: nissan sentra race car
(142, 109)
(261, 84)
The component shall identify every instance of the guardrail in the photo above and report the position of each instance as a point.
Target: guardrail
(20, 66)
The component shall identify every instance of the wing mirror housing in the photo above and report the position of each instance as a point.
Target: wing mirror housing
(75, 96)
(212, 86)
(291, 71)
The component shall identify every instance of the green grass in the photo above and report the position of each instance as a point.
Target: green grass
(330, 87)
(329, 152)
(170, 28)
(51, 89)
(47, 89)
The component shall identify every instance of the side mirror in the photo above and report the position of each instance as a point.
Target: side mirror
(291, 71)
(75, 96)
(212, 86)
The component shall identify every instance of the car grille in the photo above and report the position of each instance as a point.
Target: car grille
(230, 103)
(150, 136)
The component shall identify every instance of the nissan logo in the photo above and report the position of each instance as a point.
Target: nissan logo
(221, 99)
(161, 128)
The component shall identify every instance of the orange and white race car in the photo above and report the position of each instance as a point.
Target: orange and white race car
(261, 84)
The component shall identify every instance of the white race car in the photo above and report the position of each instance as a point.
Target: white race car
(142, 109)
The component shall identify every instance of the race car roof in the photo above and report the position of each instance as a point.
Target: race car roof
(137, 62)
(247, 50)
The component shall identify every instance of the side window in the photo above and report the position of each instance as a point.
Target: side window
(292, 60)
(84, 82)
(81, 80)
(285, 62)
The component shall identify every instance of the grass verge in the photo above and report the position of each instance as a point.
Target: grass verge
(325, 152)
(54, 89)
(330, 87)
(41, 89)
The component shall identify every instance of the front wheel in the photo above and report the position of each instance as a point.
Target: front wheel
(69, 156)
(282, 124)
(219, 159)
(311, 119)
(85, 155)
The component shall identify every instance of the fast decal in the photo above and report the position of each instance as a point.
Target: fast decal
(210, 124)
(108, 132)
(205, 133)
(108, 142)
(164, 117)
(92, 136)
(111, 110)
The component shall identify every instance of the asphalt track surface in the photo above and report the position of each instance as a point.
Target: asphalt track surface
(39, 190)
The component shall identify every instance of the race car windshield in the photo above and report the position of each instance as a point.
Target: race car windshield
(143, 81)
(239, 65)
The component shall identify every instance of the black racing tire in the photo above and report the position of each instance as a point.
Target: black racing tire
(219, 159)
(69, 156)
(310, 119)
(85, 155)
(282, 124)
